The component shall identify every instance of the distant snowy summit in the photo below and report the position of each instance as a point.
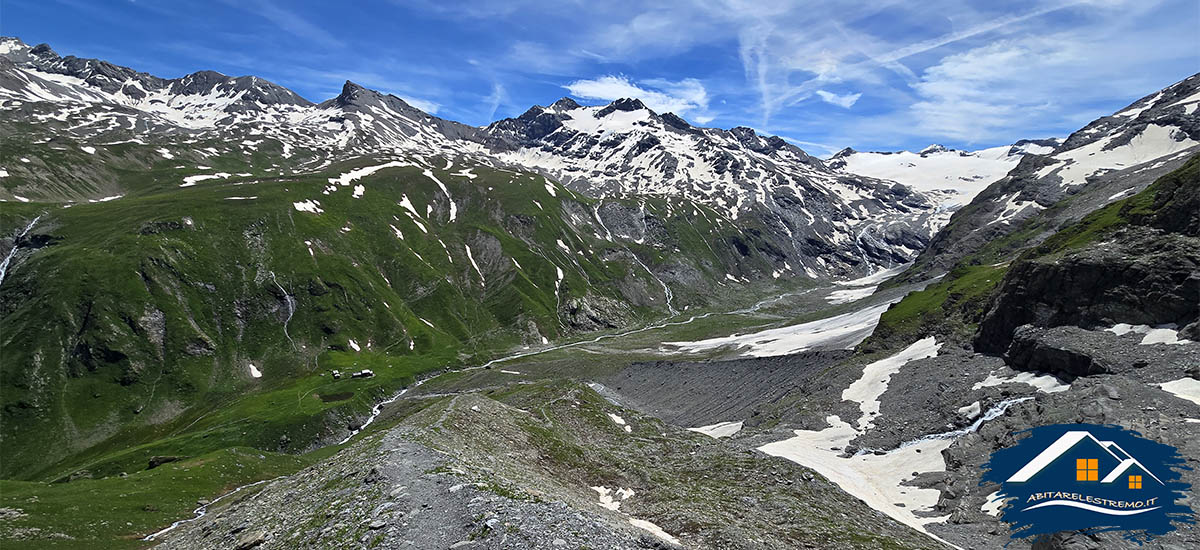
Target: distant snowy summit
(959, 174)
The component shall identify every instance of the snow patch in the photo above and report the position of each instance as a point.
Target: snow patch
(193, 180)
(1184, 388)
(359, 173)
(874, 381)
(720, 429)
(1161, 334)
(309, 205)
(1042, 382)
(874, 278)
(442, 186)
(840, 332)
(850, 295)
(653, 529)
(612, 499)
(254, 371)
(1153, 142)
(471, 257)
(971, 411)
(874, 478)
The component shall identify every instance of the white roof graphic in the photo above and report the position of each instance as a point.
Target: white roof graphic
(1125, 465)
(1064, 444)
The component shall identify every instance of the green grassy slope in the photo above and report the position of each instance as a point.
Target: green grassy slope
(131, 331)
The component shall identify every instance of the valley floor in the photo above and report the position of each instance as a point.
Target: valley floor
(673, 434)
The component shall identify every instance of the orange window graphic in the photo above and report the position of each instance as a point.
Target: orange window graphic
(1087, 469)
(1135, 482)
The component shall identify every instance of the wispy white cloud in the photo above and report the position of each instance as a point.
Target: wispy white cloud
(493, 101)
(882, 74)
(844, 101)
(679, 97)
(430, 107)
(290, 21)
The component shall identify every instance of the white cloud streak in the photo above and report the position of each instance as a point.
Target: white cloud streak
(660, 95)
(844, 101)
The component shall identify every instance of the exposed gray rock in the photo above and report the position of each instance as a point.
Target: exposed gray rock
(1141, 277)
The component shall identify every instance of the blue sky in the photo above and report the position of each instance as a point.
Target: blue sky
(825, 74)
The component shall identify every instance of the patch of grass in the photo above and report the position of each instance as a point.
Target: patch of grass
(116, 512)
(335, 397)
(952, 306)
(1099, 224)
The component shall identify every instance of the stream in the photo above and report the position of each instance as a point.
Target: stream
(13, 252)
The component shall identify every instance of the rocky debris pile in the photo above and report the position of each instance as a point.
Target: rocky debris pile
(704, 393)
(1132, 399)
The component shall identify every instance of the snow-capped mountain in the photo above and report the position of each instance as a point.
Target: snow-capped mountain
(200, 100)
(93, 100)
(817, 221)
(625, 148)
(1111, 158)
(949, 175)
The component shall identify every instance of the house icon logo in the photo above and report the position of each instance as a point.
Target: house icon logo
(1070, 477)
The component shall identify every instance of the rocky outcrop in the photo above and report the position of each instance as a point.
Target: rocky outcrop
(1068, 352)
(591, 313)
(1142, 277)
(1065, 357)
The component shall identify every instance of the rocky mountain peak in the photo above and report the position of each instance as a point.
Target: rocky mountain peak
(42, 49)
(355, 97)
(351, 92)
(843, 153)
(743, 133)
(627, 104)
(564, 104)
(624, 105)
(675, 121)
(933, 149)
